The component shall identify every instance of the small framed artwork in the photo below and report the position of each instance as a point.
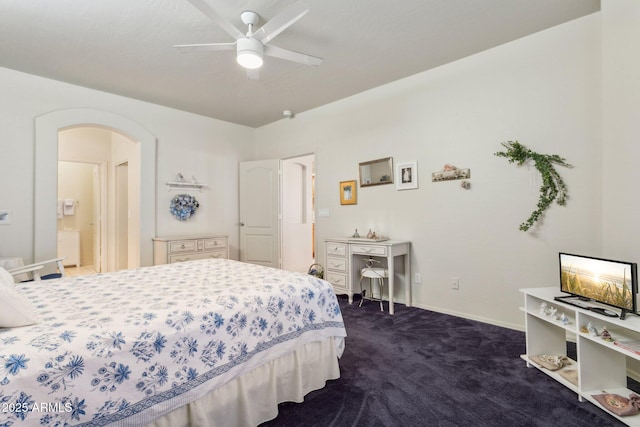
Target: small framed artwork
(406, 175)
(348, 195)
(5, 217)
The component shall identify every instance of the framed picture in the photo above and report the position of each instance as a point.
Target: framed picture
(348, 195)
(406, 175)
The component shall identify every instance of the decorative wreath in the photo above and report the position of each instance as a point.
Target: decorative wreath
(183, 206)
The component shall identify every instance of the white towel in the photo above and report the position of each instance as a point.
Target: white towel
(69, 206)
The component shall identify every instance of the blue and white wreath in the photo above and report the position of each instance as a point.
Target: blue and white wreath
(183, 206)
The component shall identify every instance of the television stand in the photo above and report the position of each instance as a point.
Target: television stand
(601, 365)
(574, 301)
(583, 303)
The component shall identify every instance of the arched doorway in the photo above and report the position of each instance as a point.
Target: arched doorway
(47, 127)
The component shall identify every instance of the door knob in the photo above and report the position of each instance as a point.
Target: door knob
(241, 223)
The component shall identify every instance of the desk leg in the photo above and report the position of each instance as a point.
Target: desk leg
(391, 268)
(407, 278)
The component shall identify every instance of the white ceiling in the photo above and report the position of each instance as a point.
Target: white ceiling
(126, 47)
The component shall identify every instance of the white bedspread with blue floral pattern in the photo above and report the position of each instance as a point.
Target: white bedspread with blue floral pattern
(129, 346)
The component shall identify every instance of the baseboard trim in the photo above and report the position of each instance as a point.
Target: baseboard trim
(490, 321)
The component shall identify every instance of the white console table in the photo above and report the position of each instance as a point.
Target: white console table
(342, 266)
(601, 365)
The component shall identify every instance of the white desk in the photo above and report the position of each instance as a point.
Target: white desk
(342, 263)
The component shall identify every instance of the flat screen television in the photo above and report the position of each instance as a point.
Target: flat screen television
(610, 282)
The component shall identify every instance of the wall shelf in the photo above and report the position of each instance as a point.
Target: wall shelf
(176, 185)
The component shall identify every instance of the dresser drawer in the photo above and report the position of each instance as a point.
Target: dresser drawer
(182, 246)
(337, 279)
(336, 249)
(198, 255)
(369, 250)
(219, 243)
(337, 264)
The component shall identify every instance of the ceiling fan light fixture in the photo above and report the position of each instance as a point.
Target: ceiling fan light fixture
(249, 53)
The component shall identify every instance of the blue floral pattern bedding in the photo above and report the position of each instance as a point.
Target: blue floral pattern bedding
(130, 346)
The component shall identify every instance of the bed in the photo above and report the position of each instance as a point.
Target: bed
(203, 343)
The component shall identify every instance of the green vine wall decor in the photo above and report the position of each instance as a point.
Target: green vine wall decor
(552, 188)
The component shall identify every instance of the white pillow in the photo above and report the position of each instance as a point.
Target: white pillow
(15, 309)
(6, 278)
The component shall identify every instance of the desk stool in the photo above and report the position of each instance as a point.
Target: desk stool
(374, 274)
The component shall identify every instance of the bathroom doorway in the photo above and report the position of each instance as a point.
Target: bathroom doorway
(98, 200)
(79, 216)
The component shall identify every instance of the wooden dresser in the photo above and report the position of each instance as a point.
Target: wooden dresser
(167, 250)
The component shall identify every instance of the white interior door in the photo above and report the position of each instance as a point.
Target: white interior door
(260, 212)
(297, 213)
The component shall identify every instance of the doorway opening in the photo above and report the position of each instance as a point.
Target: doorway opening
(79, 216)
(277, 213)
(48, 128)
(298, 220)
(98, 189)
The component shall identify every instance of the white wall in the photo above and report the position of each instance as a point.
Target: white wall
(621, 127)
(543, 90)
(194, 145)
(560, 91)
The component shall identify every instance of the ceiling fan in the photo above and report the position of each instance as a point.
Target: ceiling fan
(252, 46)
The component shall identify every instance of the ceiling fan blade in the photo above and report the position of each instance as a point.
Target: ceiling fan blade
(215, 17)
(281, 22)
(205, 47)
(289, 55)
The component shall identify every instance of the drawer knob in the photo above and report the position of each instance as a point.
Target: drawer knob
(182, 247)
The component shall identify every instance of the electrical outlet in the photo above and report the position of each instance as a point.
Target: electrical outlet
(418, 278)
(455, 283)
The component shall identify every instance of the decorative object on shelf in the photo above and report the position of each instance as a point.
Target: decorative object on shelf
(605, 335)
(376, 172)
(619, 405)
(543, 309)
(563, 319)
(356, 234)
(182, 184)
(550, 362)
(183, 206)
(592, 330)
(348, 195)
(316, 270)
(552, 188)
(450, 173)
(465, 185)
(570, 375)
(552, 312)
(407, 175)
(370, 234)
(629, 345)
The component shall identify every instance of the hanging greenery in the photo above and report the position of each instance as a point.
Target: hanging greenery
(552, 188)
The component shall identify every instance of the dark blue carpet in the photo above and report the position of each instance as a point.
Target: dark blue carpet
(421, 368)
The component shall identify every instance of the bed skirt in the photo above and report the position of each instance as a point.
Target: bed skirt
(253, 398)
